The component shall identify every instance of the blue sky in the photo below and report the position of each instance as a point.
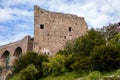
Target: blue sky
(17, 21)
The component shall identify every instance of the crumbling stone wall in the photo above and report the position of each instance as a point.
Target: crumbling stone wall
(52, 30)
(15, 49)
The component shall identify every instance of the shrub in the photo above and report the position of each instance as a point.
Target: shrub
(69, 60)
(117, 73)
(30, 58)
(105, 58)
(96, 75)
(55, 65)
(86, 43)
(79, 50)
(92, 52)
(81, 64)
(26, 74)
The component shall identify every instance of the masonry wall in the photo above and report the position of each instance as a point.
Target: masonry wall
(24, 44)
(52, 30)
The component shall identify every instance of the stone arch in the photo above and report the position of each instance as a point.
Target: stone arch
(17, 52)
(5, 58)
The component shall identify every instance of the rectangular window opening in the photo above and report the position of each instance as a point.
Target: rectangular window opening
(48, 34)
(70, 29)
(64, 37)
(41, 26)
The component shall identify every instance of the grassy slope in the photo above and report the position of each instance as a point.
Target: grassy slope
(64, 76)
(88, 76)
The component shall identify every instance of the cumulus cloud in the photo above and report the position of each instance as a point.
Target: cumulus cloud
(7, 14)
(17, 16)
(9, 39)
(15, 22)
(97, 13)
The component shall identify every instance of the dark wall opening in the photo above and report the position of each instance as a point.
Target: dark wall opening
(6, 58)
(70, 29)
(18, 52)
(41, 26)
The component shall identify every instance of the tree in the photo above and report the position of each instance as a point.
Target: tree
(26, 74)
(105, 58)
(55, 65)
(30, 58)
(86, 43)
(80, 50)
(115, 41)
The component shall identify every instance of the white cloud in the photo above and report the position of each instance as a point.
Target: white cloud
(9, 39)
(14, 30)
(4, 15)
(97, 13)
(8, 3)
(13, 14)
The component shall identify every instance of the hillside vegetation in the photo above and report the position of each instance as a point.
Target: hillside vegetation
(91, 56)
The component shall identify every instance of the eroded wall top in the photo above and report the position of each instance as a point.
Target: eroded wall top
(24, 44)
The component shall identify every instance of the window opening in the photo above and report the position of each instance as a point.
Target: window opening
(41, 26)
(64, 37)
(70, 29)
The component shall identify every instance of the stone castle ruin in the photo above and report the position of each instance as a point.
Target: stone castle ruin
(51, 32)
(12, 51)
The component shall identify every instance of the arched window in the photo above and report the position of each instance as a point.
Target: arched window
(5, 58)
(18, 52)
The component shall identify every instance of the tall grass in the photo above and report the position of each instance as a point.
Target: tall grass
(65, 76)
(94, 75)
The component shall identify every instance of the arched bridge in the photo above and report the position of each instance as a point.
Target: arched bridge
(12, 51)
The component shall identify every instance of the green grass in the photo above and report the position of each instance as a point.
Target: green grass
(64, 76)
(95, 75)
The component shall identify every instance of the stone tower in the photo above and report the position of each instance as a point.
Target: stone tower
(52, 30)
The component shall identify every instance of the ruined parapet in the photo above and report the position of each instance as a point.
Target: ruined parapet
(14, 50)
(53, 29)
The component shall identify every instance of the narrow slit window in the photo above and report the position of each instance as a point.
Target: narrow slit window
(70, 29)
(64, 37)
(48, 34)
(41, 26)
